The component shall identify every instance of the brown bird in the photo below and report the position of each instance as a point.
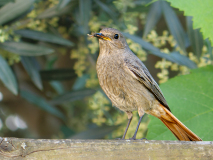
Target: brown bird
(130, 86)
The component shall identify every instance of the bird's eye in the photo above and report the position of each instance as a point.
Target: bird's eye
(116, 36)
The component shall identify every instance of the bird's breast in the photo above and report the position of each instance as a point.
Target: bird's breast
(113, 81)
(122, 88)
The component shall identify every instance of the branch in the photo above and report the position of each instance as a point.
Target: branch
(13, 148)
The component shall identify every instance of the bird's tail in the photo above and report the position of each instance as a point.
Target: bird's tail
(177, 128)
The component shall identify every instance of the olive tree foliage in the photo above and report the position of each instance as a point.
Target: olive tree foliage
(48, 78)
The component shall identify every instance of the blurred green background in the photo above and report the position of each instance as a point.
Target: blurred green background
(49, 87)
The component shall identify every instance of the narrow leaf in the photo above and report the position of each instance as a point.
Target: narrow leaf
(144, 44)
(7, 77)
(208, 44)
(3, 2)
(152, 18)
(50, 62)
(31, 67)
(95, 133)
(174, 57)
(58, 74)
(80, 82)
(195, 37)
(63, 3)
(54, 11)
(85, 7)
(25, 49)
(106, 8)
(143, 2)
(72, 96)
(138, 8)
(182, 60)
(46, 37)
(12, 10)
(67, 132)
(57, 86)
(41, 103)
(174, 25)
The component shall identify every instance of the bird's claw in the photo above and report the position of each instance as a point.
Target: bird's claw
(133, 138)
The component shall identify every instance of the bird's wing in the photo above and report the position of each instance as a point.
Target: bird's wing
(141, 73)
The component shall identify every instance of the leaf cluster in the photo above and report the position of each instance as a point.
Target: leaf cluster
(48, 62)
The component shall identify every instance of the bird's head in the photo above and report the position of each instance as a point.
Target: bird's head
(110, 37)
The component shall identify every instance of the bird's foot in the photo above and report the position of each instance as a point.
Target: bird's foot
(134, 138)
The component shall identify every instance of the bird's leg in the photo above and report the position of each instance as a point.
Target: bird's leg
(136, 131)
(141, 114)
(129, 114)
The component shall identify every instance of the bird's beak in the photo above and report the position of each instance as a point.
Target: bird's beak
(101, 36)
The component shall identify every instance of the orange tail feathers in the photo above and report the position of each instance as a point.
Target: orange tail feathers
(177, 128)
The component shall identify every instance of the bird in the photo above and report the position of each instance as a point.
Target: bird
(129, 85)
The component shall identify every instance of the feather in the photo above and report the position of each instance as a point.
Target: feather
(143, 76)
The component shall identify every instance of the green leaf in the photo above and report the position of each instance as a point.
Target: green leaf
(152, 18)
(208, 44)
(80, 82)
(173, 57)
(25, 49)
(195, 37)
(72, 96)
(208, 68)
(143, 2)
(57, 86)
(174, 25)
(201, 11)
(67, 132)
(106, 8)
(46, 37)
(63, 3)
(12, 10)
(95, 133)
(31, 67)
(41, 103)
(50, 62)
(55, 11)
(85, 7)
(3, 2)
(190, 98)
(58, 74)
(138, 8)
(182, 60)
(7, 77)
